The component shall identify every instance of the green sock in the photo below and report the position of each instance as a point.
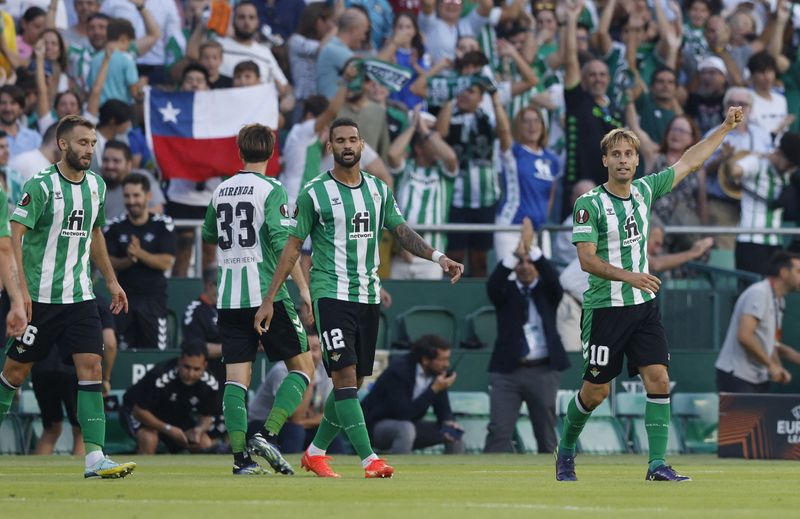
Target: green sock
(92, 416)
(656, 422)
(7, 392)
(288, 397)
(235, 413)
(576, 418)
(330, 425)
(352, 418)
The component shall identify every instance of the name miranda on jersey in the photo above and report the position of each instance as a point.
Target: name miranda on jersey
(236, 191)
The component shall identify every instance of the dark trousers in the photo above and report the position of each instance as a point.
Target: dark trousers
(728, 383)
(403, 436)
(754, 257)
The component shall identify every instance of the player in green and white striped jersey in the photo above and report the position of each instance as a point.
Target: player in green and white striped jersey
(425, 190)
(345, 210)
(16, 318)
(763, 178)
(620, 316)
(248, 219)
(56, 227)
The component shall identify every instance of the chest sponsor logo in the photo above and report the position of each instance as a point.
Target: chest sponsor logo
(582, 216)
(361, 230)
(632, 234)
(75, 225)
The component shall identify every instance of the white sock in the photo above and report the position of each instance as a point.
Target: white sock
(93, 457)
(369, 459)
(313, 450)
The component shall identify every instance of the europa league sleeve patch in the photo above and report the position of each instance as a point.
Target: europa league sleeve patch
(582, 216)
(26, 199)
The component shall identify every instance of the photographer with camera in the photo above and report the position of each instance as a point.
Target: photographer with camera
(396, 405)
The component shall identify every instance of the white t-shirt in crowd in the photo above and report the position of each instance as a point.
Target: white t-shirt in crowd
(769, 113)
(29, 163)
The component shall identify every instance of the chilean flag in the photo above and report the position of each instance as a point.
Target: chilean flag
(193, 134)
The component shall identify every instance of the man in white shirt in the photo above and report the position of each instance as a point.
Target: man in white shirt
(769, 109)
(32, 162)
(442, 30)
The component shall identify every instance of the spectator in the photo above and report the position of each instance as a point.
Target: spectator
(409, 52)
(80, 56)
(317, 27)
(122, 79)
(175, 403)
(195, 78)
(244, 46)
(141, 246)
(750, 357)
(443, 26)
(744, 41)
(381, 19)
(424, 190)
(769, 110)
(78, 35)
(472, 132)
(528, 354)
(589, 112)
(55, 385)
(301, 426)
(657, 107)
(564, 250)
(695, 46)
(352, 31)
(117, 165)
(11, 178)
(20, 138)
(9, 59)
(211, 58)
(159, 20)
(52, 53)
(49, 95)
(32, 162)
(31, 25)
(395, 407)
(686, 204)
(762, 179)
(114, 123)
(529, 177)
(723, 209)
(370, 117)
(246, 73)
(706, 105)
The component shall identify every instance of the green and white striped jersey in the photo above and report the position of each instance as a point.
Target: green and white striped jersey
(761, 187)
(345, 224)
(247, 218)
(60, 216)
(5, 228)
(619, 227)
(424, 194)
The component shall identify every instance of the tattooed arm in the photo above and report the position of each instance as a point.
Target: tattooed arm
(413, 243)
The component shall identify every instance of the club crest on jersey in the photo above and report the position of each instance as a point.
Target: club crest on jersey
(75, 225)
(361, 229)
(26, 199)
(582, 216)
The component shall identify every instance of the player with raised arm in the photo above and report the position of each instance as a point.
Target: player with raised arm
(620, 315)
(56, 226)
(345, 210)
(248, 219)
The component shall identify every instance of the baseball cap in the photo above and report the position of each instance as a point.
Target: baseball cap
(714, 62)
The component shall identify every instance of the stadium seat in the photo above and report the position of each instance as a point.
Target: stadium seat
(721, 258)
(383, 333)
(524, 437)
(698, 417)
(28, 413)
(602, 434)
(10, 436)
(630, 411)
(482, 325)
(117, 438)
(471, 410)
(424, 320)
(173, 330)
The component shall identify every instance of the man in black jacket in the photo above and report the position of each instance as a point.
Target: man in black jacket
(395, 407)
(528, 354)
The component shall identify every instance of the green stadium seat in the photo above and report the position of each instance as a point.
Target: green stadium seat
(602, 434)
(482, 325)
(524, 437)
(471, 410)
(698, 418)
(383, 333)
(630, 411)
(423, 320)
(10, 436)
(173, 330)
(475, 429)
(117, 438)
(721, 258)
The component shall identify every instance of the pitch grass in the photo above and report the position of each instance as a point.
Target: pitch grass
(495, 486)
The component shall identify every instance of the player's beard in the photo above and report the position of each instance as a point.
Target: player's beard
(337, 157)
(74, 160)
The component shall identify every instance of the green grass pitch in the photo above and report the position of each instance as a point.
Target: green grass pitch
(494, 486)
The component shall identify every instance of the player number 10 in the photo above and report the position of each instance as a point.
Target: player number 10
(598, 355)
(334, 340)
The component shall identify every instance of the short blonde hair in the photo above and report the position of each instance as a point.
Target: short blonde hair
(615, 137)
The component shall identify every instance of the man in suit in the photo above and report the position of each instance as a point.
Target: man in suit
(395, 407)
(528, 355)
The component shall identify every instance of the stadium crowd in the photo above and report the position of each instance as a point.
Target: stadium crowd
(474, 112)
